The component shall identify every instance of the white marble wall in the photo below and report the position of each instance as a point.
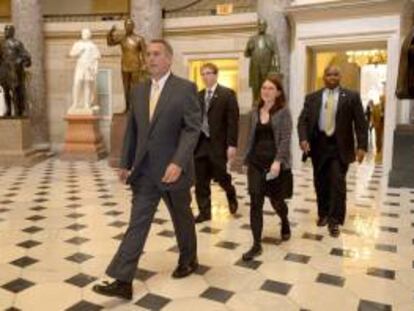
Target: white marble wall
(191, 38)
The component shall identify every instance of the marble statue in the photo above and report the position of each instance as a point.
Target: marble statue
(263, 52)
(405, 82)
(84, 81)
(14, 58)
(133, 47)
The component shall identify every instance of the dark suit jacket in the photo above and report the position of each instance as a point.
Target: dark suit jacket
(349, 116)
(169, 138)
(223, 118)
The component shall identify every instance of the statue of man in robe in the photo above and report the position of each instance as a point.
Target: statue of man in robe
(86, 71)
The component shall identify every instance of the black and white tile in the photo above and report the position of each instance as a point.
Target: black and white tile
(61, 222)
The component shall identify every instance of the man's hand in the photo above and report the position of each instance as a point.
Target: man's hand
(275, 168)
(123, 174)
(360, 155)
(172, 173)
(231, 154)
(304, 145)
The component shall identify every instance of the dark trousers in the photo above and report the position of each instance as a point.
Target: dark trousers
(207, 168)
(146, 197)
(256, 213)
(329, 175)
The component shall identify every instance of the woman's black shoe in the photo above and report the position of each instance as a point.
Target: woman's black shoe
(285, 231)
(255, 251)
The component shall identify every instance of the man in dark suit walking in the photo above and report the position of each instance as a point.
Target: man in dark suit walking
(330, 119)
(217, 144)
(157, 161)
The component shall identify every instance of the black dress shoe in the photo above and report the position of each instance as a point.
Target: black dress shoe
(334, 230)
(322, 221)
(285, 231)
(185, 270)
(255, 251)
(202, 218)
(114, 289)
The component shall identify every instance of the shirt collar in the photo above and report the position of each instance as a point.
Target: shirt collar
(162, 80)
(335, 90)
(213, 88)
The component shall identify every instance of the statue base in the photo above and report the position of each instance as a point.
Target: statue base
(16, 143)
(402, 172)
(83, 139)
(118, 126)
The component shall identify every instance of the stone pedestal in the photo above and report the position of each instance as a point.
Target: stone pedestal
(16, 143)
(117, 138)
(402, 172)
(83, 139)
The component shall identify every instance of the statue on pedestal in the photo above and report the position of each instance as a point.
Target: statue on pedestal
(133, 56)
(84, 82)
(14, 58)
(263, 52)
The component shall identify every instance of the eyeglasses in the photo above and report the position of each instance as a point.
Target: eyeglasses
(205, 73)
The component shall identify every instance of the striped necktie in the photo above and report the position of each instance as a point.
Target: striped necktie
(155, 95)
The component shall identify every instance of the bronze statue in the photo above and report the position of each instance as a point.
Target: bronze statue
(378, 112)
(263, 52)
(133, 56)
(405, 82)
(14, 58)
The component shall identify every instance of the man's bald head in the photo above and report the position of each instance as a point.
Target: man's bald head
(332, 76)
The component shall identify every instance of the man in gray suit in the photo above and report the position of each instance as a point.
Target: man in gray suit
(160, 137)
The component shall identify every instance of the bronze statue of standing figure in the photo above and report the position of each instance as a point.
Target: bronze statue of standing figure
(14, 58)
(133, 56)
(263, 52)
(405, 82)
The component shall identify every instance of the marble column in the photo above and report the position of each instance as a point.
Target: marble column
(28, 21)
(147, 15)
(273, 12)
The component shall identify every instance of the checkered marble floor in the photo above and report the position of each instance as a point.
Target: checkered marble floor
(61, 222)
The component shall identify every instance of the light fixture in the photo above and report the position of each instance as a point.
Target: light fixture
(367, 57)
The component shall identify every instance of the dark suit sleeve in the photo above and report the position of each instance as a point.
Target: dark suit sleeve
(232, 120)
(130, 140)
(360, 123)
(303, 121)
(190, 130)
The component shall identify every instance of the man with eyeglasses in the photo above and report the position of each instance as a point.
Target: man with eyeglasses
(216, 148)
